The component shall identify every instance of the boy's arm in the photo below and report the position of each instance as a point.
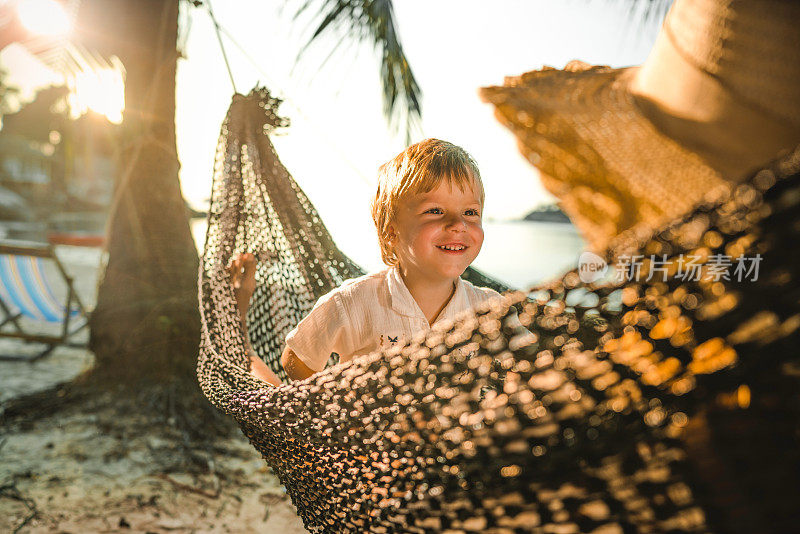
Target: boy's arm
(259, 369)
(294, 366)
(243, 278)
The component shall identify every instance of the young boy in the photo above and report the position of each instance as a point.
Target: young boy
(428, 214)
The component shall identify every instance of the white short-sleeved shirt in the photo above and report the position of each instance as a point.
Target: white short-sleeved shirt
(368, 313)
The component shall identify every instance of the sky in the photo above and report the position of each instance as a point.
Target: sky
(339, 135)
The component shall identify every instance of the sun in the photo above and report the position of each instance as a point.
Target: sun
(44, 17)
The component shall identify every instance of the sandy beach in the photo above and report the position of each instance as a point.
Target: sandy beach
(95, 465)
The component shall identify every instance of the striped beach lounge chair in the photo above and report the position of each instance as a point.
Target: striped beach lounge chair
(26, 292)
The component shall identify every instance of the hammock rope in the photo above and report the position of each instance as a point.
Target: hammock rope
(635, 406)
(221, 45)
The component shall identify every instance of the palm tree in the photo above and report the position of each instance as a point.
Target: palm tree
(145, 327)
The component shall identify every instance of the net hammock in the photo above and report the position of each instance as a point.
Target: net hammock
(629, 406)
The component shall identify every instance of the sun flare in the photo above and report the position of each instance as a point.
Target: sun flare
(101, 90)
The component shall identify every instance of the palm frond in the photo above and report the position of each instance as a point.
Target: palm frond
(373, 21)
(644, 13)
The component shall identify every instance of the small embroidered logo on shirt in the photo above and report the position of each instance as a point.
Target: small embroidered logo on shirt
(390, 339)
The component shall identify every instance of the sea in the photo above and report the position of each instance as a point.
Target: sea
(521, 254)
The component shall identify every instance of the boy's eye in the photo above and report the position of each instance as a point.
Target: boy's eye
(435, 211)
(472, 213)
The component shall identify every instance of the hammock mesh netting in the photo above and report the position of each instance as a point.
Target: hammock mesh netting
(634, 406)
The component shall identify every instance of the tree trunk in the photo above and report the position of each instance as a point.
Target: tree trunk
(146, 322)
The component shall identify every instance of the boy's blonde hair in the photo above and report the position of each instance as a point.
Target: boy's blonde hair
(420, 168)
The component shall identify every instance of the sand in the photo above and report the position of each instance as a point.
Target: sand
(84, 472)
(91, 468)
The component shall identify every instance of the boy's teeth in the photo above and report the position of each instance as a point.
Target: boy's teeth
(453, 247)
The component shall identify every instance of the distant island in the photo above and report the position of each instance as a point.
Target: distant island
(547, 213)
(195, 213)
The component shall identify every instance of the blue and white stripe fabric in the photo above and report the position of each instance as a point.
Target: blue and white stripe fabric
(24, 288)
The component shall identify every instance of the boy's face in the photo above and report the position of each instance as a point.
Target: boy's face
(438, 234)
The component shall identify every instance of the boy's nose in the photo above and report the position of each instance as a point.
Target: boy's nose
(456, 222)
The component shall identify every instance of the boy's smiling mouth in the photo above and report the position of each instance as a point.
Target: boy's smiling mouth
(452, 247)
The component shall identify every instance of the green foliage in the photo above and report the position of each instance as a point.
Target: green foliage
(6, 91)
(646, 13)
(373, 21)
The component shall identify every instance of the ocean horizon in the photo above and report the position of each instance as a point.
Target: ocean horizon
(520, 254)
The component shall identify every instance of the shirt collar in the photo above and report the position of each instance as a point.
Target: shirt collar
(404, 304)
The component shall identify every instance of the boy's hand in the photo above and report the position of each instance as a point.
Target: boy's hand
(243, 279)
